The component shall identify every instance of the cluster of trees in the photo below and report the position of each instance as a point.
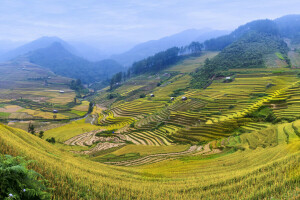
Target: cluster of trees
(203, 76)
(118, 78)
(157, 62)
(78, 87)
(194, 48)
(31, 129)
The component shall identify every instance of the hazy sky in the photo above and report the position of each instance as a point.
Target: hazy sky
(129, 21)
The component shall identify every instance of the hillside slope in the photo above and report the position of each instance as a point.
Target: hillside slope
(77, 178)
(250, 51)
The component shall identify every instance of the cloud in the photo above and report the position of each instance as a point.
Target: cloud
(132, 20)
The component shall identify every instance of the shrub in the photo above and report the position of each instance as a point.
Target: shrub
(231, 106)
(142, 95)
(106, 133)
(177, 92)
(51, 140)
(18, 182)
(112, 95)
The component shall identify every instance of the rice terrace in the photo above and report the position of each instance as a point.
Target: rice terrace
(184, 111)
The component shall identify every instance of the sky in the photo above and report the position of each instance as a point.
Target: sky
(123, 23)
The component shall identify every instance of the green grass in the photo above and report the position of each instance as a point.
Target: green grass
(117, 158)
(279, 55)
(4, 115)
(147, 150)
(192, 63)
(70, 130)
(77, 112)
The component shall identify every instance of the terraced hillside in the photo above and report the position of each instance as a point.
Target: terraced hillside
(237, 136)
(221, 110)
(28, 91)
(267, 155)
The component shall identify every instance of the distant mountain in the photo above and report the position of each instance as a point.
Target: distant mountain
(42, 42)
(89, 52)
(62, 62)
(7, 45)
(259, 26)
(289, 26)
(149, 48)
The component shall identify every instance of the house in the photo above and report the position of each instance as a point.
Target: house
(61, 91)
(55, 111)
(228, 78)
(151, 95)
(172, 98)
(183, 98)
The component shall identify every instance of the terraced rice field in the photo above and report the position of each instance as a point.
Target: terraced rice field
(35, 91)
(178, 82)
(272, 155)
(191, 64)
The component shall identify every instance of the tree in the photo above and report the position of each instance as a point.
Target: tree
(41, 134)
(195, 47)
(90, 107)
(54, 117)
(51, 140)
(31, 129)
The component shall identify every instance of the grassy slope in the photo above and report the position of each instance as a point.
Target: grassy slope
(190, 64)
(233, 175)
(70, 130)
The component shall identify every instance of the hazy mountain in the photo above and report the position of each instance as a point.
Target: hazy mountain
(89, 52)
(260, 26)
(8, 45)
(61, 61)
(289, 26)
(42, 42)
(149, 48)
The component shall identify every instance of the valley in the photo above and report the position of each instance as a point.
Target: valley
(212, 120)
